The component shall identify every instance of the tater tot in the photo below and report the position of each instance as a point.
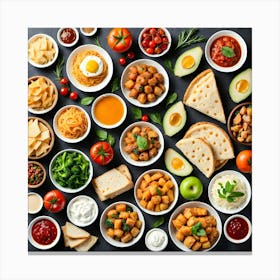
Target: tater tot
(133, 215)
(138, 224)
(150, 206)
(143, 203)
(180, 236)
(120, 207)
(110, 232)
(152, 69)
(148, 89)
(196, 246)
(133, 93)
(142, 98)
(151, 97)
(112, 213)
(124, 215)
(189, 241)
(147, 178)
(156, 199)
(139, 194)
(118, 223)
(165, 199)
(127, 237)
(156, 176)
(118, 233)
(134, 231)
(157, 91)
(129, 84)
(170, 195)
(163, 206)
(185, 230)
(182, 218)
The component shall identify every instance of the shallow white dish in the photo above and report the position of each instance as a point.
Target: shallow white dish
(159, 68)
(73, 79)
(40, 199)
(161, 245)
(89, 33)
(65, 44)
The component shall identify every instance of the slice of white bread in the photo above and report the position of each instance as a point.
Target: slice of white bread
(75, 232)
(202, 94)
(199, 153)
(87, 244)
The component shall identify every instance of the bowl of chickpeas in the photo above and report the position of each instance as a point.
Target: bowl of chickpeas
(141, 144)
(156, 192)
(122, 224)
(144, 83)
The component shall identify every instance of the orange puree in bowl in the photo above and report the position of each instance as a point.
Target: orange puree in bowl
(109, 110)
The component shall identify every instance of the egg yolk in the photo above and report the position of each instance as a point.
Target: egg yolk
(177, 163)
(92, 66)
(242, 86)
(188, 62)
(175, 119)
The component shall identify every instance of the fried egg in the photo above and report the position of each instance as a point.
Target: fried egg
(91, 66)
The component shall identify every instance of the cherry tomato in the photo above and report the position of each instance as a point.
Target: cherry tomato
(122, 61)
(157, 40)
(153, 31)
(119, 39)
(164, 39)
(163, 47)
(150, 50)
(101, 153)
(145, 43)
(54, 201)
(74, 95)
(152, 44)
(63, 81)
(244, 161)
(145, 118)
(130, 55)
(160, 32)
(64, 91)
(146, 35)
(158, 50)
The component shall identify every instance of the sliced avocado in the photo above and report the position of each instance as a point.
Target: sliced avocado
(174, 119)
(188, 62)
(241, 86)
(177, 164)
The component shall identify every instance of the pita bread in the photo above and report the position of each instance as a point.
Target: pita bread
(75, 232)
(87, 244)
(199, 153)
(202, 94)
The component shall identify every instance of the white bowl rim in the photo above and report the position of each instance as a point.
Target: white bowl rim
(65, 44)
(55, 55)
(88, 34)
(141, 163)
(194, 203)
(238, 241)
(37, 245)
(67, 190)
(100, 98)
(105, 55)
(165, 241)
(168, 35)
(241, 42)
(68, 140)
(241, 177)
(160, 70)
(95, 205)
(118, 243)
(176, 192)
(41, 202)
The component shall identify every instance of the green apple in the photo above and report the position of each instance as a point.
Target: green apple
(191, 188)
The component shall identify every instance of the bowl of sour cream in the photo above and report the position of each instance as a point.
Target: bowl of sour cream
(156, 240)
(82, 210)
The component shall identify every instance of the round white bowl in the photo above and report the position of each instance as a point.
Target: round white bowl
(180, 209)
(247, 186)
(92, 201)
(176, 192)
(63, 138)
(55, 55)
(238, 241)
(155, 55)
(36, 244)
(68, 190)
(72, 78)
(65, 44)
(40, 203)
(105, 125)
(241, 42)
(160, 248)
(159, 68)
(141, 163)
(90, 33)
(115, 242)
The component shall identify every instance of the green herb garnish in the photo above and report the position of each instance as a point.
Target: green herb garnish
(137, 113)
(227, 192)
(96, 41)
(111, 140)
(228, 52)
(109, 224)
(115, 84)
(125, 226)
(156, 118)
(168, 64)
(158, 222)
(129, 209)
(171, 98)
(187, 38)
(58, 68)
(142, 143)
(198, 230)
(103, 135)
(158, 191)
(87, 100)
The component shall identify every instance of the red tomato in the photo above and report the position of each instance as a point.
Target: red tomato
(160, 32)
(74, 95)
(146, 35)
(145, 43)
(64, 91)
(54, 201)
(150, 50)
(165, 40)
(63, 81)
(244, 161)
(163, 47)
(145, 118)
(130, 55)
(122, 61)
(157, 40)
(101, 153)
(152, 44)
(153, 31)
(158, 50)
(119, 39)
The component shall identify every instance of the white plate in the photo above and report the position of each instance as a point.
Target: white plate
(159, 68)
(107, 58)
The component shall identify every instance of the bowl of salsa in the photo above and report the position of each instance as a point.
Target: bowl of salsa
(67, 36)
(226, 51)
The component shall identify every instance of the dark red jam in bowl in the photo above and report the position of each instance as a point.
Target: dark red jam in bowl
(44, 232)
(68, 35)
(237, 228)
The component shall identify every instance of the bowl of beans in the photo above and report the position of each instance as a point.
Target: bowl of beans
(36, 174)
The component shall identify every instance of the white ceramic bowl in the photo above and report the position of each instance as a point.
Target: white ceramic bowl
(63, 138)
(106, 125)
(176, 192)
(84, 210)
(66, 44)
(36, 244)
(155, 55)
(68, 190)
(159, 68)
(161, 246)
(73, 80)
(39, 206)
(88, 33)
(55, 48)
(180, 209)
(126, 155)
(238, 241)
(241, 178)
(241, 42)
(113, 241)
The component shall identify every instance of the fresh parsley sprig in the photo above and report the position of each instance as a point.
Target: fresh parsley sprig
(227, 192)
(189, 37)
(198, 230)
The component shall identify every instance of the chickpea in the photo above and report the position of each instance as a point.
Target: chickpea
(142, 98)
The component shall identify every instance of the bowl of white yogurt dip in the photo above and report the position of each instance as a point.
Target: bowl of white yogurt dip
(156, 240)
(82, 210)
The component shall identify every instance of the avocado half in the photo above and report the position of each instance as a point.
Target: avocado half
(241, 86)
(174, 119)
(188, 62)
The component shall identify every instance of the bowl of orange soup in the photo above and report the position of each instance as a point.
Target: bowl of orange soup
(109, 110)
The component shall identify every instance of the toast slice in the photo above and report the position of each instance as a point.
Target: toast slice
(87, 244)
(202, 94)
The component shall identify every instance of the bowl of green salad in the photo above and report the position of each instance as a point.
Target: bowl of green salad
(70, 171)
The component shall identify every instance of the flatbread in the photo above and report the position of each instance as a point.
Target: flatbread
(199, 153)
(87, 244)
(75, 232)
(202, 94)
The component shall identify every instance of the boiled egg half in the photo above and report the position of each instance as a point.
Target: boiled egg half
(91, 66)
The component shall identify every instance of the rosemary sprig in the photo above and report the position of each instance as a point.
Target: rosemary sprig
(58, 68)
(189, 37)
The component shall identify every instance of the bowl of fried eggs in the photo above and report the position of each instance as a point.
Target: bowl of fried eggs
(89, 68)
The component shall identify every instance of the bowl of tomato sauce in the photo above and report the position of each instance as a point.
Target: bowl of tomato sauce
(237, 228)
(44, 232)
(226, 51)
